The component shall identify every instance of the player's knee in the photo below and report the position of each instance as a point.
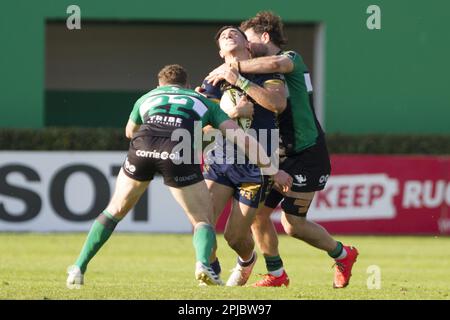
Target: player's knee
(233, 243)
(293, 225)
(230, 238)
(289, 229)
(287, 226)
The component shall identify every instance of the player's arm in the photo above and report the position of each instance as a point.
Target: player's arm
(248, 144)
(244, 109)
(270, 64)
(272, 97)
(131, 128)
(135, 120)
(218, 119)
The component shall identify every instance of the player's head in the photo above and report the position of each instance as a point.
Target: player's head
(230, 39)
(264, 29)
(173, 74)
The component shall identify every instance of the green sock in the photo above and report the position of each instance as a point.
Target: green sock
(100, 232)
(273, 263)
(337, 251)
(204, 241)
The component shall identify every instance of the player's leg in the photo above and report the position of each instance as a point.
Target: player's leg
(197, 204)
(238, 229)
(296, 225)
(247, 198)
(295, 208)
(221, 189)
(131, 182)
(188, 186)
(220, 195)
(264, 232)
(266, 238)
(239, 238)
(127, 192)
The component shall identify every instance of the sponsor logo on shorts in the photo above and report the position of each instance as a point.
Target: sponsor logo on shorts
(185, 178)
(129, 167)
(300, 180)
(323, 180)
(158, 155)
(249, 190)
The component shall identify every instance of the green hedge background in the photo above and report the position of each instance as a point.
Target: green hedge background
(73, 138)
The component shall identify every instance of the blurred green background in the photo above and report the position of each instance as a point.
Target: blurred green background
(392, 80)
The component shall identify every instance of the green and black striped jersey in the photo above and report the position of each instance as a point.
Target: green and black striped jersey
(167, 108)
(298, 125)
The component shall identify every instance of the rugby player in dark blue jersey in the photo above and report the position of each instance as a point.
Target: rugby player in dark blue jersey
(245, 183)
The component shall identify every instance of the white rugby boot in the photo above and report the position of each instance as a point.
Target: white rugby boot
(206, 275)
(75, 278)
(239, 275)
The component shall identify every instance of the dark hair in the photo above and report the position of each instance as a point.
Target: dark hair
(217, 36)
(267, 21)
(173, 74)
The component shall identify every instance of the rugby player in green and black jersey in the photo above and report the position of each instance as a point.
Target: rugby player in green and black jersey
(303, 148)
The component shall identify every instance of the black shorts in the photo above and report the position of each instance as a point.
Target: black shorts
(309, 169)
(148, 155)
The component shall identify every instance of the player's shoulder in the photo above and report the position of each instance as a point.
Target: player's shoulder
(294, 56)
(297, 60)
(144, 97)
(291, 54)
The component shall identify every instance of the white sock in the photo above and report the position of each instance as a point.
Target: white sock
(342, 255)
(277, 273)
(247, 261)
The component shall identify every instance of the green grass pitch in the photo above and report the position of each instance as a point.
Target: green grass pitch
(159, 266)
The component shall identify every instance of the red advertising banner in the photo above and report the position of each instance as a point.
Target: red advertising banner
(382, 195)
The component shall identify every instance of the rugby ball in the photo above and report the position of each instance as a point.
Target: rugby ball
(229, 100)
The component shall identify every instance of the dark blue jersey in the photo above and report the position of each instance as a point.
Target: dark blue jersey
(263, 119)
